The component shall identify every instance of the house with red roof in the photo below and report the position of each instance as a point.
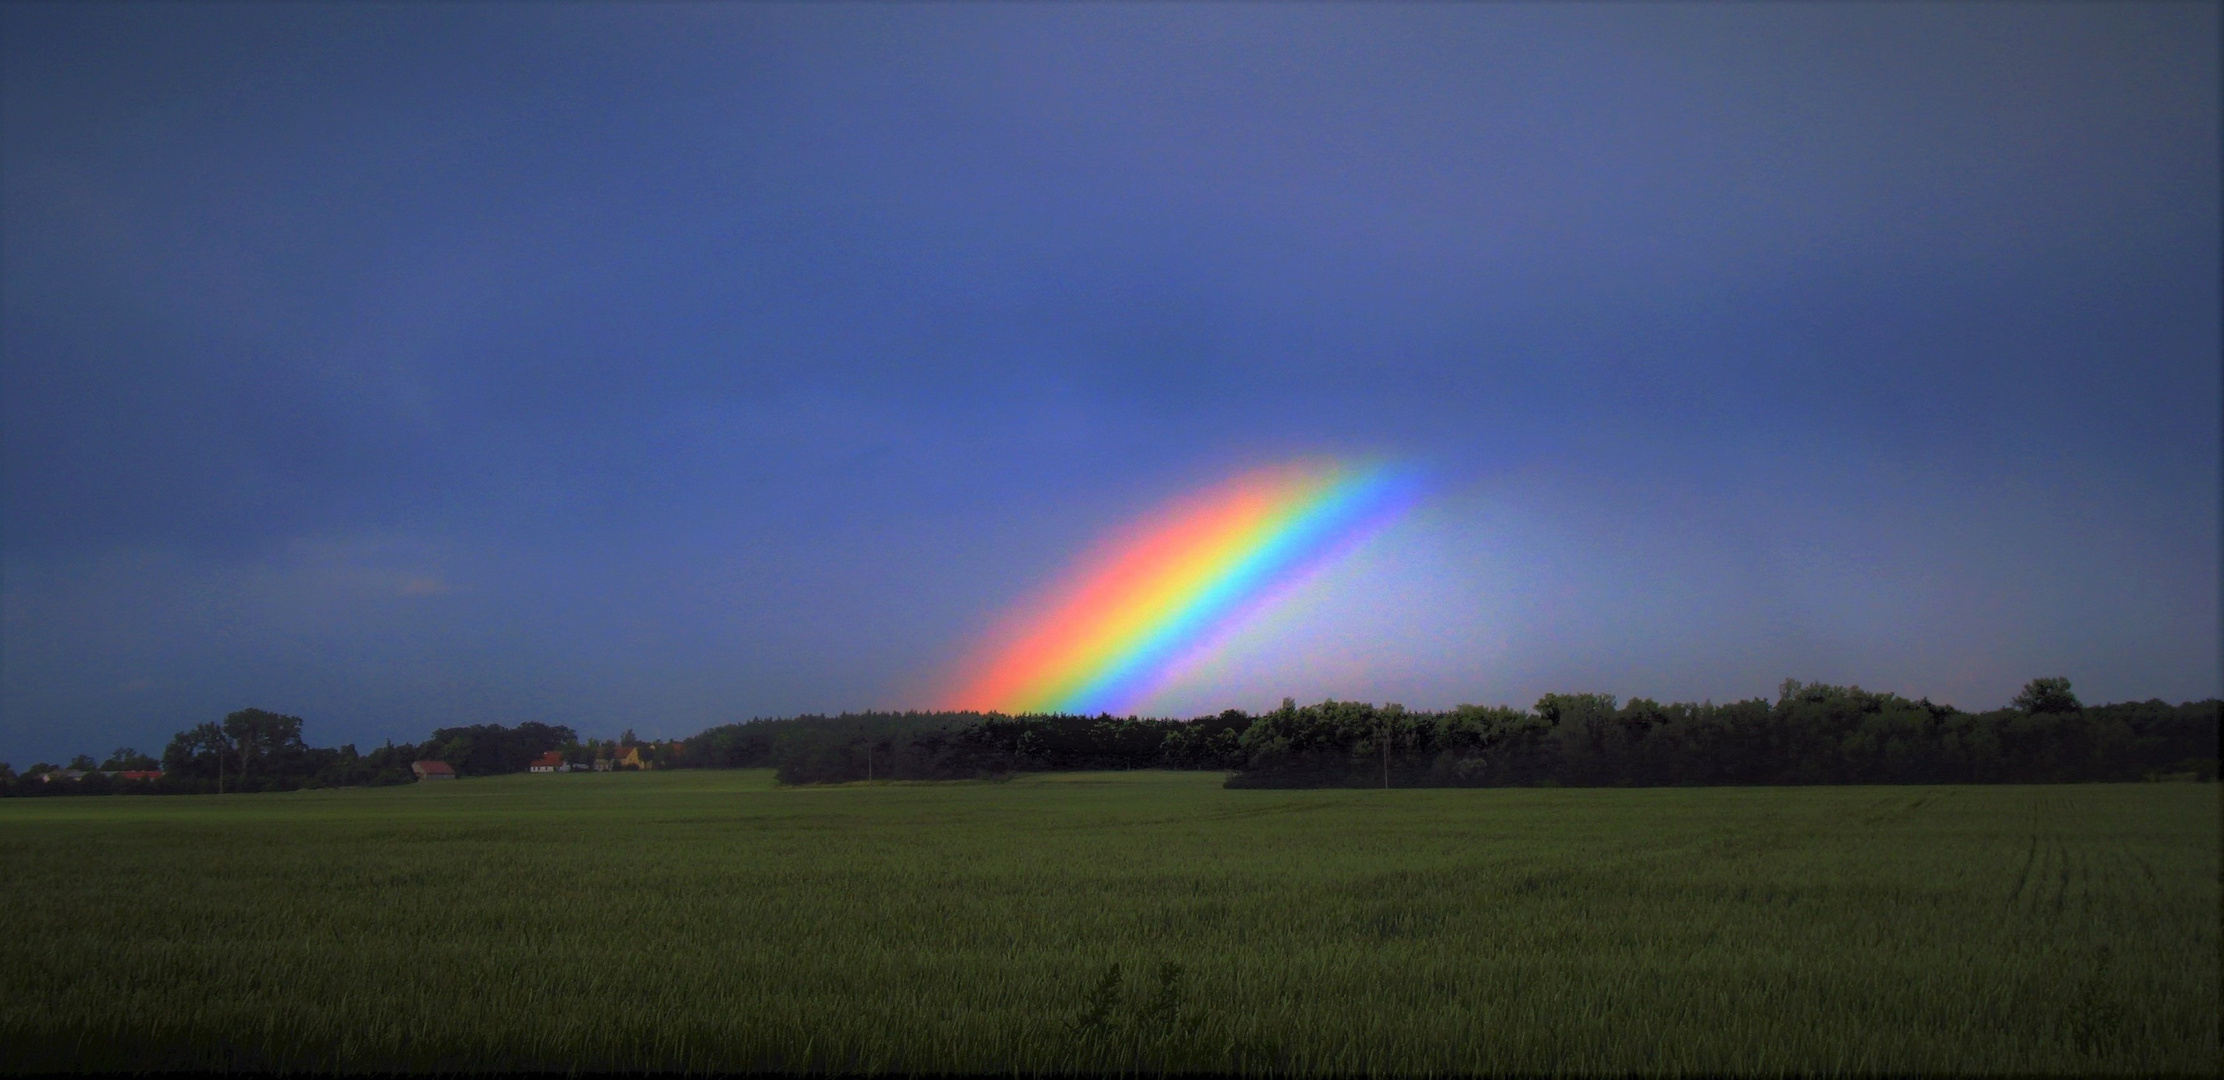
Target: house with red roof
(549, 762)
(433, 770)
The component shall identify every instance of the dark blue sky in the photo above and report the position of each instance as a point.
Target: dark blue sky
(632, 365)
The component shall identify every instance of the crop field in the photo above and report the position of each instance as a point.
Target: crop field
(711, 920)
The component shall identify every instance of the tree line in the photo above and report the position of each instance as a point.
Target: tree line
(1812, 733)
(962, 745)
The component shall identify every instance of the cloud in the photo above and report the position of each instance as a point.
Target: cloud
(393, 363)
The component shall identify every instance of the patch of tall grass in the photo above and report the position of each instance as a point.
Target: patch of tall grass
(1131, 921)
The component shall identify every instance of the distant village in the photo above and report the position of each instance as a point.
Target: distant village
(239, 756)
(608, 759)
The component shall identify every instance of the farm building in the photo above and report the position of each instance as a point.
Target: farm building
(549, 762)
(626, 758)
(433, 770)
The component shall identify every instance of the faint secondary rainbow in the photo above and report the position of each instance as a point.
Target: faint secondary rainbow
(1149, 601)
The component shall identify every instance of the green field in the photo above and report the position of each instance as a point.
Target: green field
(711, 920)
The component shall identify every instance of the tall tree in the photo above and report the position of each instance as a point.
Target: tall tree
(261, 737)
(2046, 696)
(198, 751)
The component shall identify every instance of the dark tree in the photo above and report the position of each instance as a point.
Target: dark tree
(2043, 696)
(200, 752)
(266, 743)
(124, 758)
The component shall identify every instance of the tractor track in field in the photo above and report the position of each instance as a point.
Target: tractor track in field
(2023, 876)
(2042, 887)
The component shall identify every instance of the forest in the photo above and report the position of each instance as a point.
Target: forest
(1813, 733)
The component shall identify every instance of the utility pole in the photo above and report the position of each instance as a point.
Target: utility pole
(1388, 720)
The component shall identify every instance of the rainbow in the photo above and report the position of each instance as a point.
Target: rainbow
(1166, 591)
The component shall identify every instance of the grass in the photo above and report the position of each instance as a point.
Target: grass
(707, 920)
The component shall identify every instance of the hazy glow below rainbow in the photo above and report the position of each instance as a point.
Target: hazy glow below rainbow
(1151, 600)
